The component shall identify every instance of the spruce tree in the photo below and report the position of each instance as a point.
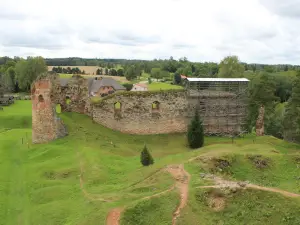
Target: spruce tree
(146, 158)
(195, 133)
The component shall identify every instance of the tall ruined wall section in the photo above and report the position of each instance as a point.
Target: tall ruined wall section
(138, 115)
(221, 115)
(73, 97)
(46, 126)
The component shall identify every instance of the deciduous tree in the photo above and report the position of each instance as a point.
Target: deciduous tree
(230, 66)
(28, 70)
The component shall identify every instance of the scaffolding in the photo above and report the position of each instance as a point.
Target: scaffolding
(222, 103)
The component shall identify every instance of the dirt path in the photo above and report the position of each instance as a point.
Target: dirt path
(221, 183)
(113, 217)
(182, 179)
(182, 183)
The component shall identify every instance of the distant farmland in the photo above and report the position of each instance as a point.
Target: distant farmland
(90, 70)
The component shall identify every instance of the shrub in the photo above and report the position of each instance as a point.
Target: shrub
(195, 133)
(149, 80)
(128, 86)
(146, 158)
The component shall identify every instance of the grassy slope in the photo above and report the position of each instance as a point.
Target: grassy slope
(40, 184)
(251, 207)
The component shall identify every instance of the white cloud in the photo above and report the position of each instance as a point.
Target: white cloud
(261, 31)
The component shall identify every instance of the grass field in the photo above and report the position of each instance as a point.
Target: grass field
(66, 181)
(162, 86)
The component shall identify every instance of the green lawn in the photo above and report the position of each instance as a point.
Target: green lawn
(40, 184)
(154, 86)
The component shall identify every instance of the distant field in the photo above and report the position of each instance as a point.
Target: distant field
(162, 86)
(120, 79)
(90, 70)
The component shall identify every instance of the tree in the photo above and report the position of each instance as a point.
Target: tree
(261, 93)
(113, 72)
(10, 79)
(128, 86)
(195, 133)
(131, 72)
(156, 73)
(120, 72)
(106, 71)
(177, 78)
(230, 66)
(146, 158)
(28, 70)
(291, 122)
(98, 72)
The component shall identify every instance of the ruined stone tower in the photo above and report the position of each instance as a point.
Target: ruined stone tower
(46, 126)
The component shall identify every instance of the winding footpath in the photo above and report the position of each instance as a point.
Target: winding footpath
(182, 183)
(182, 179)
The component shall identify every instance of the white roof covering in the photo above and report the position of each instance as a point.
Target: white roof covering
(218, 79)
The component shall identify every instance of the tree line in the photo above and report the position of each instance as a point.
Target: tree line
(68, 70)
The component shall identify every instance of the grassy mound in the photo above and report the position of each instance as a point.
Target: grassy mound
(251, 207)
(66, 181)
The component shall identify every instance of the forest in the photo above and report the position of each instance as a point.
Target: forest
(276, 87)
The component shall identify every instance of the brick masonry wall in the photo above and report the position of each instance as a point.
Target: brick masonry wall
(46, 126)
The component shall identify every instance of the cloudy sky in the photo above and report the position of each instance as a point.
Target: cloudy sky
(258, 31)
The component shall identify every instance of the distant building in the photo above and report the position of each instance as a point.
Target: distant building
(139, 87)
(98, 86)
(101, 86)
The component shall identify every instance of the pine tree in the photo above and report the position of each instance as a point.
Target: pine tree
(195, 133)
(146, 158)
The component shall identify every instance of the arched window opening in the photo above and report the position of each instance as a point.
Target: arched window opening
(117, 106)
(41, 98)
(58, 108)
(155, 106)
(68, 100)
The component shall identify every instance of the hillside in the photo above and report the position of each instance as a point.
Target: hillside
(94, 176)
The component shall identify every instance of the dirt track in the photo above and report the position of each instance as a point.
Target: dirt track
(182, 183)
(221, 183)
(113, 217)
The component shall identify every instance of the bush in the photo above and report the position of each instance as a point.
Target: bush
(128, 86)
(146, 158)
(195, 133)
(149, 80)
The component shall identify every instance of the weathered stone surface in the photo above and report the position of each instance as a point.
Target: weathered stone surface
(136, 115)
(45, 124)
(260, 127)
(220, 115)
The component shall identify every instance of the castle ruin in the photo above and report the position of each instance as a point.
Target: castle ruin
(222, 103)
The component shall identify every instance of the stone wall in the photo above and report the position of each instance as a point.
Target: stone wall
(46, 93)
(221, 115)
(46, 126)
(74, 96)
(136, 115)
